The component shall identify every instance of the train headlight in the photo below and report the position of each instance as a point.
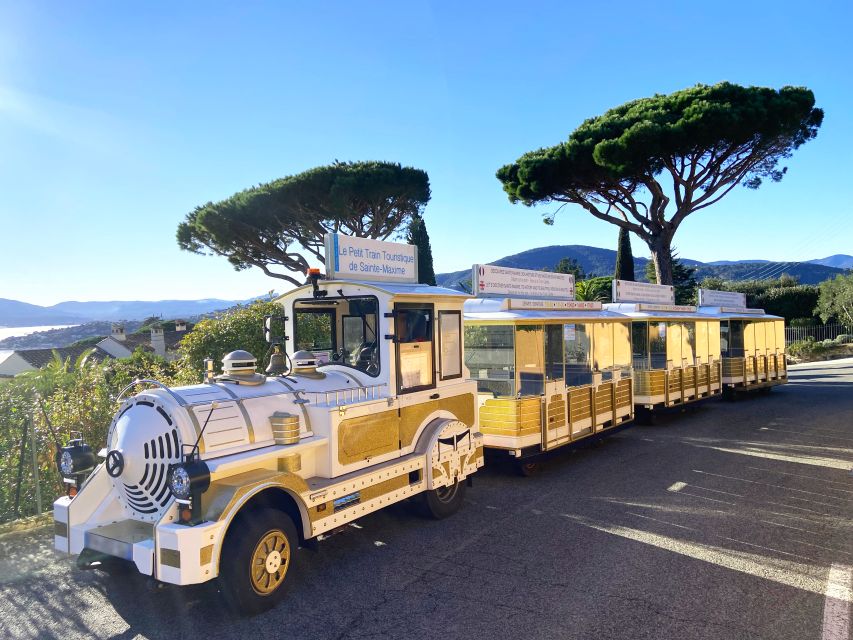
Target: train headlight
(76, 458)
(186, 479)
(179, 483)
(66, 464)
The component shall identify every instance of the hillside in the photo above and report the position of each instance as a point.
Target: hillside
(839, 261)
(597, 261)
(21, 314)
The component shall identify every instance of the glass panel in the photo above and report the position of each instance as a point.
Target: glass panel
(735, 349)
(354, 338)
(622, 348)
(673, 343)
(576, 350)
(748, 338)
(414, 345)
(602, 345)
(702, 342)
(657, 345)
(640, 344)
(714, 328)
(314, 330)
(490, 358)
(760, 339)
(688, 343)
(780, 335)
(554, 352)
(350, 323)
(529, 356)
(769, 337)
(450, 343)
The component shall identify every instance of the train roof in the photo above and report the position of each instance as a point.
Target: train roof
(495, 309)
(651, 311)
(396, 289)
(726, 313)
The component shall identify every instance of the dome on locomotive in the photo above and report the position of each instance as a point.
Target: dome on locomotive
(239, 362)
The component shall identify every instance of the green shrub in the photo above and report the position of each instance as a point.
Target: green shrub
(806, 348)
(789, 302)
(843, 338)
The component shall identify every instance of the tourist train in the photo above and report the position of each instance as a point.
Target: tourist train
(380, 390)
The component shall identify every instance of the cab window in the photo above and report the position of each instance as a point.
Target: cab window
(414, 334)
(339, 331)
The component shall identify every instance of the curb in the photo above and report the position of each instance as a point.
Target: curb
(26, 524)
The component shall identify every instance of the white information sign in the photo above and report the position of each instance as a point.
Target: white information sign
(712, 298)
(627, 291)
(491, 281)
(758, 312)
(551, 305)
(674, 308)
(351, 258)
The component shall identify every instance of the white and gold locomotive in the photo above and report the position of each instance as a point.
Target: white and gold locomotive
(229, 478)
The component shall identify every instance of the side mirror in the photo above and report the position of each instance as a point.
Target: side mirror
(274, 329)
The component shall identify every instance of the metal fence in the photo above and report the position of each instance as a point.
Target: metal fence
(820, 332)
(28, 480)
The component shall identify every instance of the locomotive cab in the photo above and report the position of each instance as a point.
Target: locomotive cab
(370, 405)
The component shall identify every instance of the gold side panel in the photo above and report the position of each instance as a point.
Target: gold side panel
(702, 375)
(557, 411)
(650, 383)
(689, 377)
(510, 417)
(623, 393)
(411, 418)
(675, 380)
(580, 403)
(604, 401)
(205, 555)
(223, 494)
(170, 557)
(368, 436)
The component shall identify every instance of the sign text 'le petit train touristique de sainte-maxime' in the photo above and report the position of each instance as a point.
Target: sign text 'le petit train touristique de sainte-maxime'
(351, 258)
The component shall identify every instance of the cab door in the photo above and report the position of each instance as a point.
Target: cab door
(414, 339)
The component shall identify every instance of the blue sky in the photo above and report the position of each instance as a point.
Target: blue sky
(116, 119)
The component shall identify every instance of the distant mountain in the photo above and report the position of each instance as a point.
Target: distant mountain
(21, 314)
(839, 261)
(138, 310)
(597, 261)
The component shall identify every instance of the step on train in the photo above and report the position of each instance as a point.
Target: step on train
(381, 390)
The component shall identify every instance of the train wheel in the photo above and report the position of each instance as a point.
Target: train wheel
(527, 468)
(444, 501)
(257, 559)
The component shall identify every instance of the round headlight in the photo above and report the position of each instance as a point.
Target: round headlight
(66, 463)
(179, 482)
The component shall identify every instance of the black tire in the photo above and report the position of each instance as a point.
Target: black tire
(527, 468)
(443, 502)
(254, 533)
(644, 416)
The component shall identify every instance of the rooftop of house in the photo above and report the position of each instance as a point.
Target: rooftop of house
(39, 358)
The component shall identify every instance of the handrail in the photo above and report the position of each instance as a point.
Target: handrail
(156, 383)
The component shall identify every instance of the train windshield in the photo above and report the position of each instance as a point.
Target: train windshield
(339, 331)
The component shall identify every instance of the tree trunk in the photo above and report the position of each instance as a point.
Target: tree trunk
(662, 255)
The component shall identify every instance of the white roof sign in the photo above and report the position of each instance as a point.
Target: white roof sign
(627, 291)
(712, 298)
(351, 258)
(551, 305)
(491, 281)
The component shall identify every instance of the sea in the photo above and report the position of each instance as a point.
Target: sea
(11, 332)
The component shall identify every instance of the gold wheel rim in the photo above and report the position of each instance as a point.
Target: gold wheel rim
(270, 562)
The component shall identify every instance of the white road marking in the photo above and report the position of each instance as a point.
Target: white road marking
(355, 526)
(379, 543)
(787, 572)
(676, 486)
(836, 609)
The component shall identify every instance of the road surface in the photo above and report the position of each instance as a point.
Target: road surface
(730, 520)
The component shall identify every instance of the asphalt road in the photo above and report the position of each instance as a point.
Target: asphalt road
(730, 520)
